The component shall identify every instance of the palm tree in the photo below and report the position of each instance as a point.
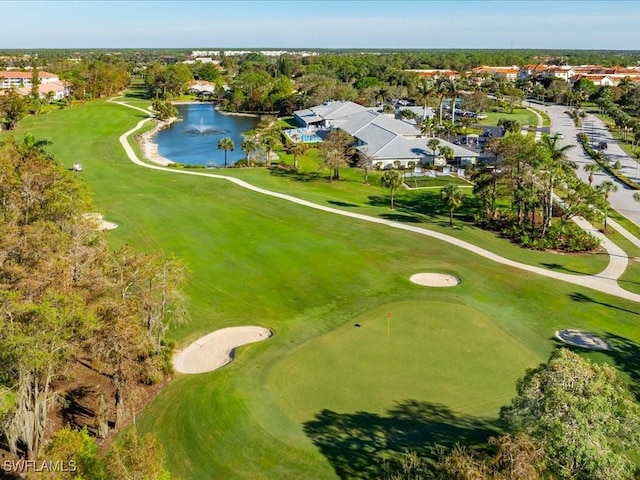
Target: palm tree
(269, 142)
(557, 165)
(426, 126)
(31, 146)
(392, 180)
(296, 149)
(249, 145)
(604, 189)
(453, 198)
(433, 145)
(226, 144)
(424, 89)
(447, 152)
(592, 168)
(510, 126)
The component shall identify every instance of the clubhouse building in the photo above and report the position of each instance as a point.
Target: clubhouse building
(389, 141)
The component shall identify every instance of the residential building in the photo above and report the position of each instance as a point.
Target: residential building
(50, 85)
(507, 73)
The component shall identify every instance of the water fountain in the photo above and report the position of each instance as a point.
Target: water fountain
(202, 129)
(194, 139)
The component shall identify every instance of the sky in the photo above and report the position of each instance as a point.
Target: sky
(364, 24)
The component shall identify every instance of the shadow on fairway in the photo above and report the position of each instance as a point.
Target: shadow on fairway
(562, 268)
(295, 175)
(582, 298)
(398, 217)
(137, 93)
(357, 443)
(342, 204)
(626, 354)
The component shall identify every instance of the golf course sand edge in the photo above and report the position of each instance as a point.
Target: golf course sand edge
(434, 280)
(215, 349)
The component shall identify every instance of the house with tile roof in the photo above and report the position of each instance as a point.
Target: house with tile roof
(50, 84)
(507, 73)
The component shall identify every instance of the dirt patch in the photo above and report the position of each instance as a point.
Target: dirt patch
(216, 349)
(583, 339)
(435, 280)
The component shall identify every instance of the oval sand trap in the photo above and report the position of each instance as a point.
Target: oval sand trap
(215, 349)
(435, 280)
(580, 338)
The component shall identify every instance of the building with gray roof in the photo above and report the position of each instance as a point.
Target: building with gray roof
(386, 139)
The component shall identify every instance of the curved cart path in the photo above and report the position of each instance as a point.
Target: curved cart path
(605, 281)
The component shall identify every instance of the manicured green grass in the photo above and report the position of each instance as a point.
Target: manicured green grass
(522, 115)
(437, 182)
(309, 276)
(441, 352)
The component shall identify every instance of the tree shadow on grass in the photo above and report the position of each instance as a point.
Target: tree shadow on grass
(296, 176)
(626, 355)
(342, 204)
(398, 217)
(357, 443)
(137, 93)
(428, 205)
(582, 298)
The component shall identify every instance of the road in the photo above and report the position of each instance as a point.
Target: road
(622, 200)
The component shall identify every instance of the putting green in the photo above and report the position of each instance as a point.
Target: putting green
(436, 351)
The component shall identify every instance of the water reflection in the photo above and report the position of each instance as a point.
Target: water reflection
(193, 140)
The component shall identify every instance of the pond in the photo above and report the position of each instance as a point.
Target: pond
(193, 139)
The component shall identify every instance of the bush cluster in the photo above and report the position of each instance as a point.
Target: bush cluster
(563, 236)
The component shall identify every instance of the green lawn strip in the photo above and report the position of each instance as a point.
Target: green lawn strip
(546, 121)
(437, 182)
(522, 115)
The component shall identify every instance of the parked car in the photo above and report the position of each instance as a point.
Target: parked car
(481, 116)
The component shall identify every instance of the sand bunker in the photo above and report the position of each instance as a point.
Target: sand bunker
(216, 349)
(435, 280)
(100, 223)
(580, 338)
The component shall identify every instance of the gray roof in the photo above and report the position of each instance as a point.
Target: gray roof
(333, 110)
(381, 136)
(411, 148)
(309, 116)
(420, 111)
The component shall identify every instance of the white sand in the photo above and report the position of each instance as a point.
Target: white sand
(215, 349)
(435, 280)
(101, 224)
(149, 148)
(580, 338)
